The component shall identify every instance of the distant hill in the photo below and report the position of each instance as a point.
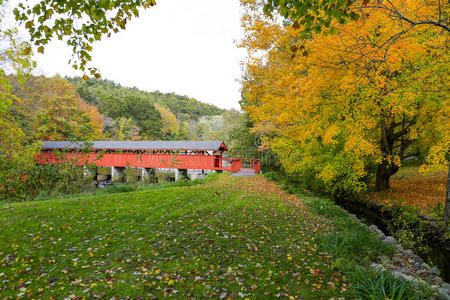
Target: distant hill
(133, 114)
(70, 108)
(95, 91)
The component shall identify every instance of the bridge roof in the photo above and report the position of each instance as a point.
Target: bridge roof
(137, 145)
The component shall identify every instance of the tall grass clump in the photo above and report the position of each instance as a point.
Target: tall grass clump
(381, 285)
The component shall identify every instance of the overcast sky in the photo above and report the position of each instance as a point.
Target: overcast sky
(182, 46)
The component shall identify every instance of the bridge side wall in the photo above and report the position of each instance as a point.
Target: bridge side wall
(133, 160)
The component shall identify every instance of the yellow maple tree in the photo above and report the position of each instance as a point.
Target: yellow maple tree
(336, 106)
(169, 120)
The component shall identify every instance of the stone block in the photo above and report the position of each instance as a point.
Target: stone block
(390, 240)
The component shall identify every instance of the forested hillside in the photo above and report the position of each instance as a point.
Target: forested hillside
(131, 113)
(72, 108)
(100, 92)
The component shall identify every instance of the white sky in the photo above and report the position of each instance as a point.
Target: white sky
(182, 46)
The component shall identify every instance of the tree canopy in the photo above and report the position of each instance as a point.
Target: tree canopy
(316, 16)
(51, 109)
(14, 57)
(344, 106)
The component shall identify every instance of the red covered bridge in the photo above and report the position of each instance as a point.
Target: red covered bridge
(182, 155)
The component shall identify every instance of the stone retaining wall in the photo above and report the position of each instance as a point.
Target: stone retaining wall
(405, 264)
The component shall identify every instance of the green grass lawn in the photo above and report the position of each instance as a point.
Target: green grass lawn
(233, 237)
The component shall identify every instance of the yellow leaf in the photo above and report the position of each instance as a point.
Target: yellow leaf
(29, 24)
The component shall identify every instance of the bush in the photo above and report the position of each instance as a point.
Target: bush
(408, 228)
(20, 182)
(274, 176)
(127, 187)
(131, 174)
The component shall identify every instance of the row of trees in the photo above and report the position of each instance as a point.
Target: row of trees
(46, 108)
(342, 106)
(51, 109)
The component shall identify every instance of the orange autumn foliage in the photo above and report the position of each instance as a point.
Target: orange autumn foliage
(169, 120)
(51, 109)
(334, 105)
(95, 118)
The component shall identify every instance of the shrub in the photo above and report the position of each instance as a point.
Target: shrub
(25, 182)
(408, 228)
(22, 183)
(131, 174)
(273, 176)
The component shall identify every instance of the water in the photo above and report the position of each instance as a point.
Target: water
(438, 255)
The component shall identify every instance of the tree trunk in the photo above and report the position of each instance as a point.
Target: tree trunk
(382, 177)
(447, 198)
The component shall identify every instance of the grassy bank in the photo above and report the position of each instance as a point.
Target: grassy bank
(230, 237)
(129, 187)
